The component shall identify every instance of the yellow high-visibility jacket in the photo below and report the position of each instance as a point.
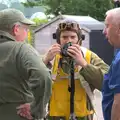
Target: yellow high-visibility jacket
(60, 99)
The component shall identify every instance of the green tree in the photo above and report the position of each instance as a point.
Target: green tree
(94, 8)
(32, 3)
(40, 21)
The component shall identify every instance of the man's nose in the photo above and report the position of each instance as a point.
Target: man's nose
(69, 39)
(104, 31)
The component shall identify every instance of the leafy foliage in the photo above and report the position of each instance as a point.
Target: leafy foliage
(40, 21)
(94, 8)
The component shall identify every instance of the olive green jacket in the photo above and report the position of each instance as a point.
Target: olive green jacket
(94, 72)
(23, 79)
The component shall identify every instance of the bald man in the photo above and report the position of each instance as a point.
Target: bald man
(111, 83)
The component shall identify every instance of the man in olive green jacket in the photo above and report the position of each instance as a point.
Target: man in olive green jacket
(24, 78)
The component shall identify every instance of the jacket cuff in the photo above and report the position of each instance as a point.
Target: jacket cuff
(85, 69)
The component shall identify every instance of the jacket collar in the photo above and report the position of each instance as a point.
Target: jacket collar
(6, 34)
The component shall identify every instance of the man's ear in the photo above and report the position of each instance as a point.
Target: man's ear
(83, 37)
(15, 29)
(54, 36)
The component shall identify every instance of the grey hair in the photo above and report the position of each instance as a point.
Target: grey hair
(115, 14)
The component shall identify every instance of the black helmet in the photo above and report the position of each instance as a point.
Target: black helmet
(69, 25)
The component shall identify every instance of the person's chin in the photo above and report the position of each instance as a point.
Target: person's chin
(110, 42)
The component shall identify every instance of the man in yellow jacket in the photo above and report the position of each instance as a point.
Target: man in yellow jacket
(89, 71)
